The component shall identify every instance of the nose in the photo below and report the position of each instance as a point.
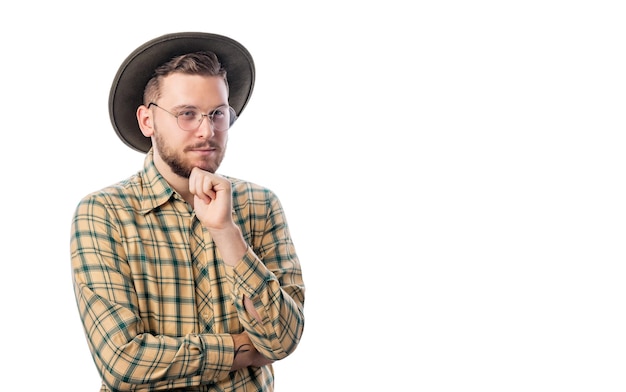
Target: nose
(206, 127)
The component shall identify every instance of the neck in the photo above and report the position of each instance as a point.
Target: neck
(180, 184)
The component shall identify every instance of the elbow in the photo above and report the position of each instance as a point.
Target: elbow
(114, 382)
(285, 341)
(112, 377)
(293, 341)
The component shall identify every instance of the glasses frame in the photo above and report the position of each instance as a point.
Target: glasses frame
(233, 117)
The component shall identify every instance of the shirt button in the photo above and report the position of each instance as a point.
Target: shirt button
(205, 315)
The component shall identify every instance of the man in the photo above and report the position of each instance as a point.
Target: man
(185, 278)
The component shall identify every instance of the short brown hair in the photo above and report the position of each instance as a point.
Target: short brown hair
(197, 63)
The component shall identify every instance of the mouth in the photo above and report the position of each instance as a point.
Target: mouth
(202, 149)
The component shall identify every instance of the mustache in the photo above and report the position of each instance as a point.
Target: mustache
(205, 145)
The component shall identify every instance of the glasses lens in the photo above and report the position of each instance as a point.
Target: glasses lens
(220, 118)
(189, 120)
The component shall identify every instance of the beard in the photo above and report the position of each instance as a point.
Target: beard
(177, 162)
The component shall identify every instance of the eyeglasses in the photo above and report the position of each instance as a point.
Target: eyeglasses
(221, 117)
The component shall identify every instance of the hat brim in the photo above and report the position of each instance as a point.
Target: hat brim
(126, 93)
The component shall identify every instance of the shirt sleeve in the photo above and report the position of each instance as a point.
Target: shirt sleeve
(124, 353)
(271, 276)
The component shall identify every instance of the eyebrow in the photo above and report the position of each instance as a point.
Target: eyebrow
(185, 106)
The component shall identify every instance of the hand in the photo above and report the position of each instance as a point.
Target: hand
(212, 200)
(213, 204)
(246, 354)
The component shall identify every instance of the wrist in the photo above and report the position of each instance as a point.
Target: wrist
(230, 244)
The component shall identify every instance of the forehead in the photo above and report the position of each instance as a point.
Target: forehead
(182, 87)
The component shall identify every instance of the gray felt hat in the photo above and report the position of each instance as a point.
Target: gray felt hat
(127, 90)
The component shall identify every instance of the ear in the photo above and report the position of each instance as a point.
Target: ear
(145, 120)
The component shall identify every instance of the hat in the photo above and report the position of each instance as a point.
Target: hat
(126, 93)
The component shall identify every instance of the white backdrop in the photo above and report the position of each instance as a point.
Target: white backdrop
(452, 172)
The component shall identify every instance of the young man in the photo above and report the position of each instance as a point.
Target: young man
(185, 278)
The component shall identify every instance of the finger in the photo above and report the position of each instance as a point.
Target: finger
(208, 187)
(196, 185)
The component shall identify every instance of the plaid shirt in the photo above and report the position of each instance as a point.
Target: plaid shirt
(157, 303)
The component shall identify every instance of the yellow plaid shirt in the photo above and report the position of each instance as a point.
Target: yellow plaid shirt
(157, 303)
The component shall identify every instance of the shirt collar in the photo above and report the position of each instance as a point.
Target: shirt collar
(156, 191)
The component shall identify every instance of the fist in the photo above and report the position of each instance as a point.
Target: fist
(212, 200)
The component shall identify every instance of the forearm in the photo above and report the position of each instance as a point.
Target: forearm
(230, 244)
(232, 247)
(125, 354)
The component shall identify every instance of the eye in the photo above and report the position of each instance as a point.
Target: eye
(218, 113)
(187, 115)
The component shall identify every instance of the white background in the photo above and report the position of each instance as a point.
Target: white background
(452, 172)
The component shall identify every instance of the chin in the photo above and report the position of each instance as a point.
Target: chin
(206, 166)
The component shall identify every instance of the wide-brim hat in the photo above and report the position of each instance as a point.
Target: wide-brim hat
(126, 93)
